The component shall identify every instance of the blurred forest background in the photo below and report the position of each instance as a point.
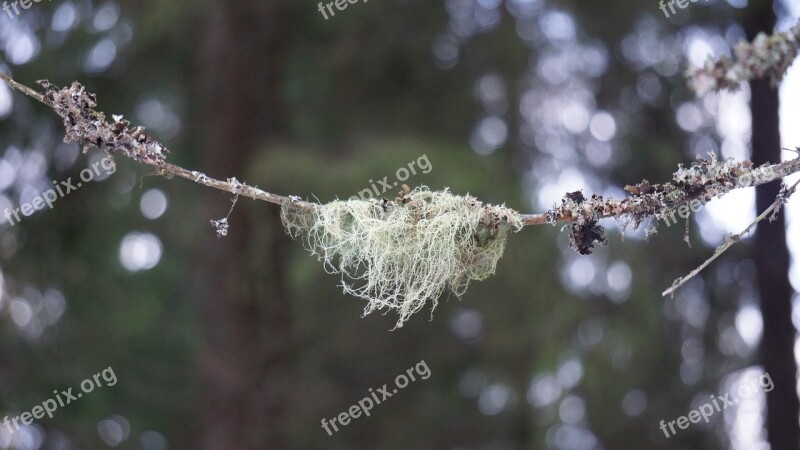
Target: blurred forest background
(244, 342)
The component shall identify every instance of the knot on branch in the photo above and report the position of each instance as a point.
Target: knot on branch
(83, 123)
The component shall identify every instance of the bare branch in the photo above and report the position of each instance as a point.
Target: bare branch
(733, 239)
(24, 89)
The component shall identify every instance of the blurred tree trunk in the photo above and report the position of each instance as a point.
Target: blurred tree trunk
(246, 361)
(772, 261)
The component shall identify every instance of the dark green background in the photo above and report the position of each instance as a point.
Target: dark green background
(245, 342)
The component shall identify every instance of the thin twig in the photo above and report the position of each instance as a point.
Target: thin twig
(234, 187)
(169, 170)
(24, 89)
(730, 241)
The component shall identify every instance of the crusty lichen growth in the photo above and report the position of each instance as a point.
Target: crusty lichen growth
(768, 56)
(399, 254)
(83, 123)
(704, 179)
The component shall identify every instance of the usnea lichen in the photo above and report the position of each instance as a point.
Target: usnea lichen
(400, 254)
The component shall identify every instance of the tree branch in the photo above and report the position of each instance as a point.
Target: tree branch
(768, 56)
(703, 179)
(86, 125)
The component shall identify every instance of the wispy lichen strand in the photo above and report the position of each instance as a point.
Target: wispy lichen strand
(399, 255)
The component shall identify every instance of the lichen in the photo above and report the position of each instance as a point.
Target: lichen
(703, 180)
(398, 255)
(768, 56)
(83, 123)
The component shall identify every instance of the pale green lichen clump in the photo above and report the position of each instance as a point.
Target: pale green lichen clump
(399, 254)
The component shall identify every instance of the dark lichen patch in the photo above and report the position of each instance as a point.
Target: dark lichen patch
(583, 237)
(704, 179)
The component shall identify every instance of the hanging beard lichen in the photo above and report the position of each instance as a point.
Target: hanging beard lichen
(399, 254)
